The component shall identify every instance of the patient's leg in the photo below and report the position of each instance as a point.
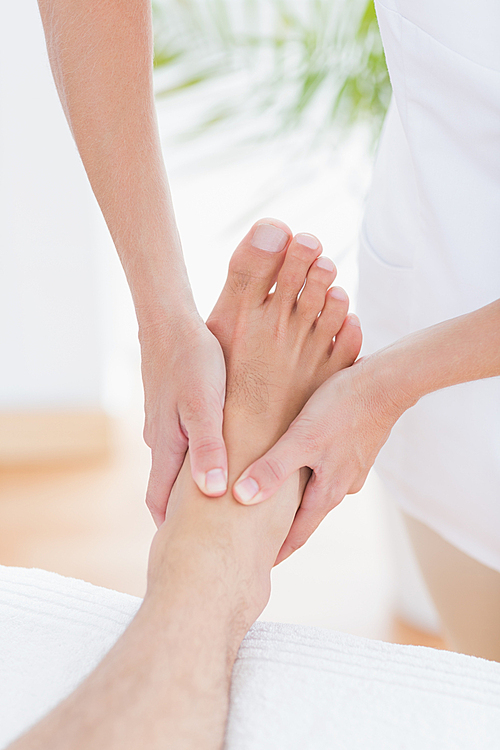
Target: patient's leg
(166, 681)
(277, 353)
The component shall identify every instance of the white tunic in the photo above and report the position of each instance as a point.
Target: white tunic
(430, 251)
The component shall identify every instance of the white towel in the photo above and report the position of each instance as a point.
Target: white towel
(293, 687)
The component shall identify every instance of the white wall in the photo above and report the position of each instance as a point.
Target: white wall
(54, 321)
(67, 328)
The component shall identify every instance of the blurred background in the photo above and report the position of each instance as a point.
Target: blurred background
(266, 108)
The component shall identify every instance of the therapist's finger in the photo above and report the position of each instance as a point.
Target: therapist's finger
(202, 422)
(320, 497)
(266, 475)
(166, 461)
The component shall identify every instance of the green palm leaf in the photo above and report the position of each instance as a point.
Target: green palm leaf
(315, 62)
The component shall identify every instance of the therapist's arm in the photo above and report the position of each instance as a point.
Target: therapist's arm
(101, 54)
(345, 423)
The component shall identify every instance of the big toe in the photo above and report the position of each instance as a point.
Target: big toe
(255, 264)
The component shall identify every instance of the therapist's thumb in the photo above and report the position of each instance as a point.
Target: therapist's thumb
(207, 452)
(266, 475)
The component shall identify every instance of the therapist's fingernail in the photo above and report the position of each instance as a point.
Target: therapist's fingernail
(270, 238)
(246, 490)
(215, 481)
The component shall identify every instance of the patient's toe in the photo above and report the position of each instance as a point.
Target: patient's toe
(255, 263)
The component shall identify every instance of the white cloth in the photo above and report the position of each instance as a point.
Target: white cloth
(431, 251)
(294, 688)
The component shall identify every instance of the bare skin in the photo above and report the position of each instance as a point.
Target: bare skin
(101, 57)
(166, 681)
(101, 54)
(340, 431)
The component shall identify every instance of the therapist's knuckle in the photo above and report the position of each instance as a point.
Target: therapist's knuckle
(206, 445)
(147, 435)
(155, 495)
(152, 504)
(200, 409)
(274, 468)
(328, 488)
(357, 485)
(335, 495)
(195, 408)
(324, 477)
(309, 435)
(202, 404)
(294, 544)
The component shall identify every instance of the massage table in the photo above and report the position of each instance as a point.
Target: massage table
(293, 687)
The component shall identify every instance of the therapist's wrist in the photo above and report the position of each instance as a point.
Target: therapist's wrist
(386, 383)
(167, 325)
(167, 312)
(158, 280)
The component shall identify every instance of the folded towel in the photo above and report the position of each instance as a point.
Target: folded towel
(293, 687)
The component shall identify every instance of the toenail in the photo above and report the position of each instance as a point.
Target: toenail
(215, 481)
(338, 293)
(325, 263)
(270, 238)
(308, 240)
(246, 490)
(353, 320)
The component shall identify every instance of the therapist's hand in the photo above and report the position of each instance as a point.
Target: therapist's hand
(184, 380)
(338, 434)
(341, 429)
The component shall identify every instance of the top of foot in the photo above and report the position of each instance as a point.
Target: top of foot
(281, 346)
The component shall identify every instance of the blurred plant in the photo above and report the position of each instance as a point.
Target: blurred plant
(314, 62)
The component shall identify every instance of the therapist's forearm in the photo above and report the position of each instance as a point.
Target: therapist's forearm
(101, 53)
(456, 351)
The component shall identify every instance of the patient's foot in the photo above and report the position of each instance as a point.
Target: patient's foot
(279, 348)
